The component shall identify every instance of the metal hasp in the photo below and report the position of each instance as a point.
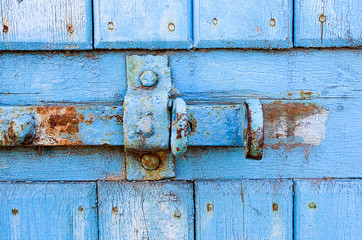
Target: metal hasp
(253, 129)
(146, 118)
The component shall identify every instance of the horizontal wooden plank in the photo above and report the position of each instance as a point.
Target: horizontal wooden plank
(48, 211)
(248, 209)
(44, 25)
(328, 23)
(61, 163)
(227, 76)
(328, 209)
(243, 24)
(146, 210)
(307, 139)
(145, 24)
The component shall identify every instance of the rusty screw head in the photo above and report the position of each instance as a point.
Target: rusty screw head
(148, 78)
(322, 18)
(150, 161)
(177, 214)
(215, 21)
(272, 22)
(111, 26)
(171, 27)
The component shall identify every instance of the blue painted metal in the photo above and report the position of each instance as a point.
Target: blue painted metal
(48, 210)
(253, 129)
(146, 210)
(179, 127)
(145, 24)
(146, 118)
(243, 24)
(20, 129)
(45, 25)
(247, 209)
(328, 209)
(328, 23)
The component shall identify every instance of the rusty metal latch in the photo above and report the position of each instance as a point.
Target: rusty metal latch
(152, 122)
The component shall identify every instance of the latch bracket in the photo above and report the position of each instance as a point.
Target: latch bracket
(146, 118)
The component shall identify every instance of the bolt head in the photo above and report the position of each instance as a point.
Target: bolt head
(150, 161)
(145, 127)
(322, 18)
(148, 78)
(177, 214)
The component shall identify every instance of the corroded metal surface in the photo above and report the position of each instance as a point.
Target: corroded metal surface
(253, 129)
(146, 117)
(179, 127)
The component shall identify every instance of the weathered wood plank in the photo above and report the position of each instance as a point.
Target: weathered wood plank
(61, 163)
(146, 24)
(48, 211)
(306, 139)
(197, 76)
(248, 209)
(243, 24)
(321, 23)
(44, 24)
(145, 210)
(328, 209)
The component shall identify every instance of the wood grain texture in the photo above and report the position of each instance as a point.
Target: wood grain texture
(320, 23)
(328, 209)
(48, 211)
(146, 24)
(44, 24)
(197, 76)
(145, 210)
(247, 209)
(243, 24)
(61, 163)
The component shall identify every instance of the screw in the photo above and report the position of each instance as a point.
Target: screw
(115, 209)
(322, 18)
(15, 211)
(312, 205)
(80, 209)
(150, 161)
(70, 28)
(214, 21)
(145, 127)
(275, 207)
(5, 28)
(110, 26)
(171, 27)
(177, 214)
(339, 108)
(272, 22)
(210, 207)
(148, 78)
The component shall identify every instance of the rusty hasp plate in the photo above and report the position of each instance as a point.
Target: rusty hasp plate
(146, 115)
(61, 125)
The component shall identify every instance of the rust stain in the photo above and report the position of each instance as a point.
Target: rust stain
(91, 55)
(192, 124)
(59, 125)
(275, 207)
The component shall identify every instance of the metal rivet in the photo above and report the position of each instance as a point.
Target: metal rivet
(110, 26)
(150, 161)
(214, 21)
(312, 205)
(322, 18)
(115, 209)
(339, 108)
(80, 209)
(171, 27)
(275, 207)
(272, 22)
(5, 29)
(70, 28)
(177, 214)
(15, 211)
(145, 126)
(210, 207)
(148, 78)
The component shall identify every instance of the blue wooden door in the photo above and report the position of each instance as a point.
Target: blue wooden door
(66, 68)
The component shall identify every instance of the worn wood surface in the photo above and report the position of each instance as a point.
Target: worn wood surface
(328, 209)
(145, 210)
(45, 25)
(319, 23)
(48, 211)
(243, 24)
(248, 209)
(197, 76)
(146, 24)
